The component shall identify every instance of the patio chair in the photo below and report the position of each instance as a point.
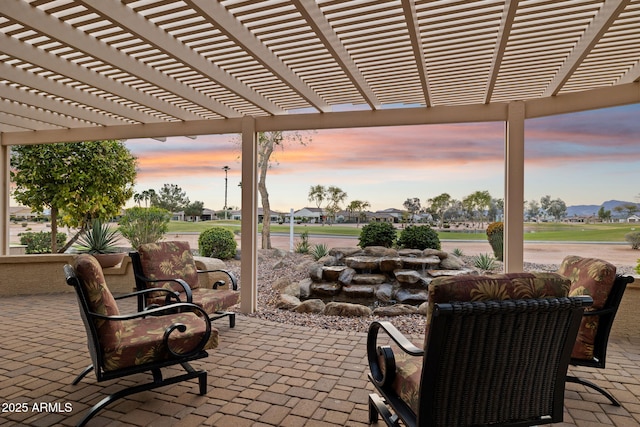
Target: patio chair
(171, 265)
(496, 352)
(124, 344)
(597, 278)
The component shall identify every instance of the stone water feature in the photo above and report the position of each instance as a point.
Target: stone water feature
(359, 282)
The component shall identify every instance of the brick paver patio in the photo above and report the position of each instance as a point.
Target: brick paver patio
(262, 374)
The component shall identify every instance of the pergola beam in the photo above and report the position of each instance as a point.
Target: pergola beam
(409, 8)
(48, 61)
(119, 13)
(51, 105)
(321, 26)
(67, 35)
(600, 24)
(561, 104)
(508, 15)
(232, 28)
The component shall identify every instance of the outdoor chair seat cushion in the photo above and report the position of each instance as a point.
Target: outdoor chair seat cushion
(209, 301)
(406, 383)
(593, 277)
(138, 341)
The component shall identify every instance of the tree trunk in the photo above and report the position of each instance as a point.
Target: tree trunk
(266, 215)
(265, 150)
(54, 230)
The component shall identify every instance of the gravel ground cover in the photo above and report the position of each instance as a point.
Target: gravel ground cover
(276, 264)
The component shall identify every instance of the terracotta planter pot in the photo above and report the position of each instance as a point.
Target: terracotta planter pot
(109, 260)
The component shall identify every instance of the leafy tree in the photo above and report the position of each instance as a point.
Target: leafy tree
(78, 181)
(171, 197)
(631, 208)
(144, 225)
(533, 210)
(496, 206)
(604, 215)
(557, 209)
(545, 203)
(439, 205)
(358, 206)
(145, 196)
(413, 206)
(267, 143)
(476, 203)
(194, 209)
(335, 197)
(317, 195)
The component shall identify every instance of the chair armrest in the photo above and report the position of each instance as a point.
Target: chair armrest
(380, 376)
(180, 327)
(185, 287)
(232, 278)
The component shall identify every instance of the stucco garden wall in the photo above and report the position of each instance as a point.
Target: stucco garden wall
(626, 323)
(42, 274)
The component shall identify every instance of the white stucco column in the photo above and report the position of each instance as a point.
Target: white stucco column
(249, 222)
(514, 189)
(4, 198)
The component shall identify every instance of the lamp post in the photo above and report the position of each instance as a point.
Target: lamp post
(226, 170)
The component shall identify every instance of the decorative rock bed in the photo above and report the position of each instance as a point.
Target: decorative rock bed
(349, 281)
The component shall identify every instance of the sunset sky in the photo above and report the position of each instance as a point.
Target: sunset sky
(584, 158)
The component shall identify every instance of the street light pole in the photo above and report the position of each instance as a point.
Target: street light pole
(226, 170)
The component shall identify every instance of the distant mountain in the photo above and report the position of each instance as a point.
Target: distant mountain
(587, 210)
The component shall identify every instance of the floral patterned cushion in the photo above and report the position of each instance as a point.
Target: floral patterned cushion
(136, 341)
(210, 300)
(140, 340)
(169, 260)
(99, 296)
(593, 277)
(472, 288)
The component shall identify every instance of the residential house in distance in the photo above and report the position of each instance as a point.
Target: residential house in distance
(310, 215)
(23, 213)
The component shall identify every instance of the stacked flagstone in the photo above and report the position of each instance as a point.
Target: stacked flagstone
(395, 281)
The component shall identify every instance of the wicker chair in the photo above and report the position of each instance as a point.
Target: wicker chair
(170, 265)
(121, 345)
(598, 279)
(496, 352)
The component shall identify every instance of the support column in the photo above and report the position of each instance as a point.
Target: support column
(249, 222)
(514, 189)
(5, 152)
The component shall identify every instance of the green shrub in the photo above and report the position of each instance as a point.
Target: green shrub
(633, 238)
(144, 225)
(377, 234)
(419, 237)
(302, 246)
(484, 262)
(495, 233)
(40, 242)
(217, 242)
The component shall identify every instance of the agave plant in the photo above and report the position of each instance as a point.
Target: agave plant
(484, 262)
(99, 238)
(318, 251)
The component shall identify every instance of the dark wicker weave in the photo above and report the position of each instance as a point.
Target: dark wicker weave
(502, 363)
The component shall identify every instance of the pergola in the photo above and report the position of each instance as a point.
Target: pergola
(113, 69)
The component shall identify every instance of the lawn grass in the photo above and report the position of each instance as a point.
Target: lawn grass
(553, 232)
